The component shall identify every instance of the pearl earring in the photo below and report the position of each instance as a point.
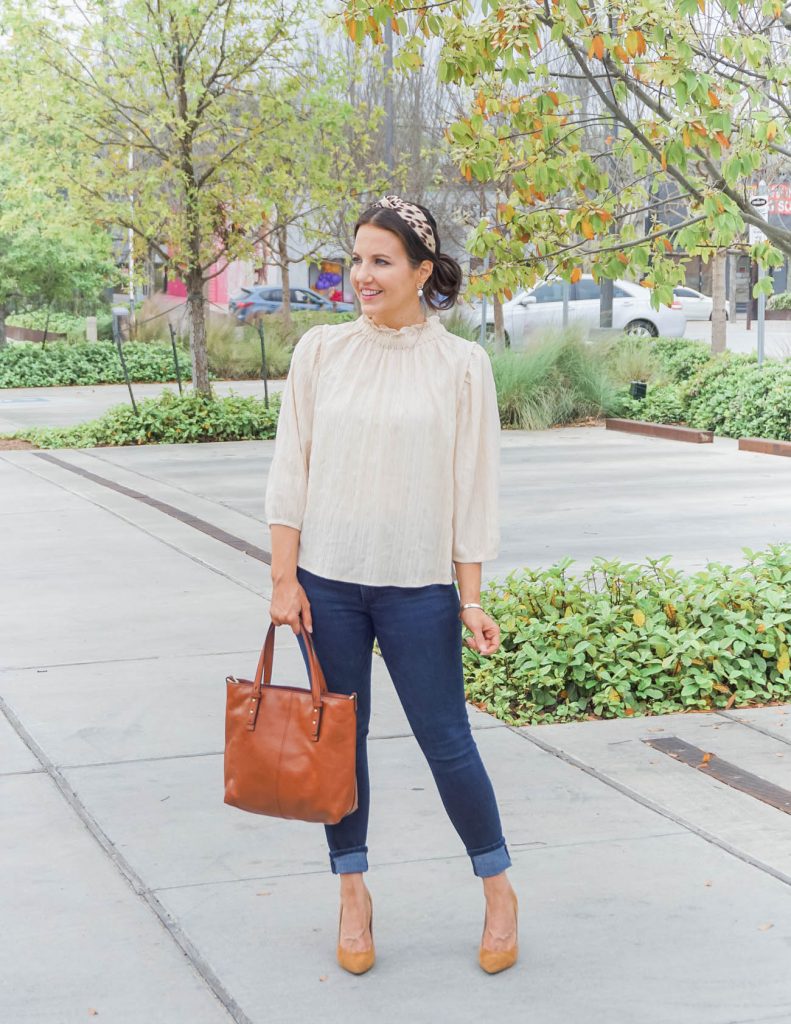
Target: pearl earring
(420, 292)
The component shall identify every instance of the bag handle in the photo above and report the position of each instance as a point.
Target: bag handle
(263, 671)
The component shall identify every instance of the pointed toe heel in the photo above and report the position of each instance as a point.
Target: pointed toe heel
(357, 963)
(494, 961)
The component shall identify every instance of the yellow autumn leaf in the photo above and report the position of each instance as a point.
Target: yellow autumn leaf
(576, 274)
(639, 618)
(784, 662)
(587, 229)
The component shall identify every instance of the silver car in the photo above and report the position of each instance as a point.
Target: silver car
(542, 306)
(696, 305)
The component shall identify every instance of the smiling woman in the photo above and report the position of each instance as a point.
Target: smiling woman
(383, 482)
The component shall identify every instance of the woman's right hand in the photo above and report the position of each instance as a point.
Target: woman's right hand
(289, 602)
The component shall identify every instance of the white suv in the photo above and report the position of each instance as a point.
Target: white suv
(542, 306)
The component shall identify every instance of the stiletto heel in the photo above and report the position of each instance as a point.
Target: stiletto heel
(357, 963)
(495, 961)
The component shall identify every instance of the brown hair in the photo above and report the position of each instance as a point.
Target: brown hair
(443, 286)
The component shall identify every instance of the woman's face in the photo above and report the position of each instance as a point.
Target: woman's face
(382, 276)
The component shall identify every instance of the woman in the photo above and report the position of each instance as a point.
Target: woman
(384, 479)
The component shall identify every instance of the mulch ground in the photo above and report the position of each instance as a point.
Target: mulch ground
(9, 444)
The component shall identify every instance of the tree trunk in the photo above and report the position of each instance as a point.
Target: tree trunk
(605, 302)
(196, 306)
(718, 324)
(285, 276)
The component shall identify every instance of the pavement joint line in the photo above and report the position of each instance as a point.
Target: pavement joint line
(127, 661)
(127, 872)
(265, 593)
(527, 847)
(783, 1017)
(652, 805)
(23, 771)
(212, 753)
(92, 453)
(757, 728)
(202, 525)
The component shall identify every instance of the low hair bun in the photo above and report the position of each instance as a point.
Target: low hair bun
(442, 289)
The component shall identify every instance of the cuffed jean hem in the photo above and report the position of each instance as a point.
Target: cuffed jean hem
(490, 862)
(349, 862)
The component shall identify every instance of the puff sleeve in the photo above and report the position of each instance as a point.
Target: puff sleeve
(476, 464)
(287, 483)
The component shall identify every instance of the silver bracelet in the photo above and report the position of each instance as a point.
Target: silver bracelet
(470, 605)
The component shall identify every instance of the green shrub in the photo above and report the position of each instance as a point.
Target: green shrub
(29, 365)
(662, 404)
(680, 358)
(780, 301)
(624, 639)
(558, 379)
(729, 394)
(169, 419)
(735, 397)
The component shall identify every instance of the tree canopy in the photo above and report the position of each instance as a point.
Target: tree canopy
(173, 119)
(610, 131)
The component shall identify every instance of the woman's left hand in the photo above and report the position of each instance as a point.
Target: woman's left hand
(485, 632)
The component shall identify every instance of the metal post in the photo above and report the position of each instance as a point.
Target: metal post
(565, 288)
(264, 373)
(482, 337)
(761, 321)
(760, 204)
(131, 240)
(117, 312)
(175, 355)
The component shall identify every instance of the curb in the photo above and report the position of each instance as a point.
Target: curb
(663, 430)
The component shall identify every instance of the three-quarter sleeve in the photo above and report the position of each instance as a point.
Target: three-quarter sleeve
(287, 483)
(476, 465)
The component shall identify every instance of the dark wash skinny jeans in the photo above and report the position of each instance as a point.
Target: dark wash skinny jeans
(419, 635)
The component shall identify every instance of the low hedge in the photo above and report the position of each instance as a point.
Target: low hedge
(624, 639)
(28, 365)
(729, 394)
(168, 419)
(63, 323)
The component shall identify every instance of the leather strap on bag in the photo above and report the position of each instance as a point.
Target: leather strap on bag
(263, 677)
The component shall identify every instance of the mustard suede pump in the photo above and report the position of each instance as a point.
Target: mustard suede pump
(494, 961)
(357, 963)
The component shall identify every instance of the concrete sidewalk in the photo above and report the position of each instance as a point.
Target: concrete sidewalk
(63, 407)
(650, 892)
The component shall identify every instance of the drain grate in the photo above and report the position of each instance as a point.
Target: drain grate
(724, 771)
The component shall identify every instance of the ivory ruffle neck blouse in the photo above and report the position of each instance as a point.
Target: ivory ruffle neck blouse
(387, 453)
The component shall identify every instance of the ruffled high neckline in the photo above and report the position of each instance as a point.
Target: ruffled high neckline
(399, 337)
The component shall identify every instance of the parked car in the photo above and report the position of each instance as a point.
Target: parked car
(696, 305)
(542, 306)
(259, 299)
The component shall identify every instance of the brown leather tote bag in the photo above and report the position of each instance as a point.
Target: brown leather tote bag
(290, 752)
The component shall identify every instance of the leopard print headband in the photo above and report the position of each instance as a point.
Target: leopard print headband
(414, 217)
